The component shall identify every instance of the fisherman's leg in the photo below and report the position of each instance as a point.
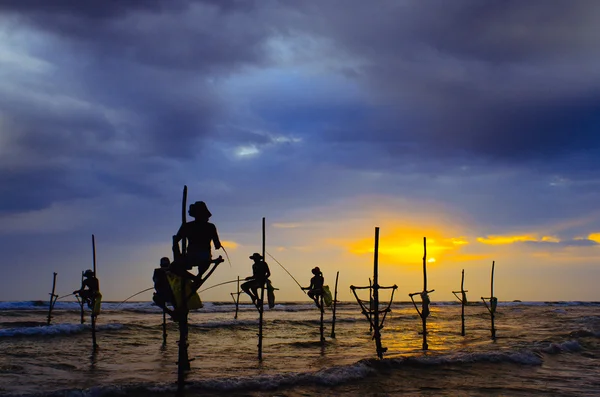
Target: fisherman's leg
(246, 288)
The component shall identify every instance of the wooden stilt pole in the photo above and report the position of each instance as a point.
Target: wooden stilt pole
(183, 362)
(81, 302)
(322, 326)
(94, 344)
(164, 327)
(424, 303)
(424, 312)
(463, 300)
(237, 299)
(334, 306)
(376, 325)
(493, 303)
(53, 297)
(370, 306)
(373, 313)
(261, 306)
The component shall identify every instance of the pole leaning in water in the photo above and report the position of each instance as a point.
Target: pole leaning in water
(183, 362)
(53, 298)
(334, 306)
(261, 305)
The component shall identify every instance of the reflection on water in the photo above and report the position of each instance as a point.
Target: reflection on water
(223, 348)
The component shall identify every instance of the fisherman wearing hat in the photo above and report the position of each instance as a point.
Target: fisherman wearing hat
(93, 287)
(315, 290)
(199, 234)
(163, 294)
(260, 274)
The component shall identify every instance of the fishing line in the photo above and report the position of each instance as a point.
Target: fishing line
(147, 289)
(226, 282)
(287, 272)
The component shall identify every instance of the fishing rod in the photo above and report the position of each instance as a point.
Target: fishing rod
(226, 282)
(287, 272)
(60, 297)
(147, 289)
(227, 256)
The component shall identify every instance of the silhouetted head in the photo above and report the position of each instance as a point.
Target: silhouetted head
(88, 273)
(316, 271)
(256, 257)
(165, 262)
(199, 210)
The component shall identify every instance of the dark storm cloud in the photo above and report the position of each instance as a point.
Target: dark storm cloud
(438, 85)
(501, 80)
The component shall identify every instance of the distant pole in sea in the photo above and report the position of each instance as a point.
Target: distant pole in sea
(493, 303)
(463, 300)
(183, 362)
(53, 298)
(261, 305)
(425, 301)
(372, 314)
(334, 305)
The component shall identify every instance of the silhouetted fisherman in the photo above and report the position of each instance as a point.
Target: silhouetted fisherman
(163, 294)
(199, 234)
(315, 290)
(93, 287)
(260, 274)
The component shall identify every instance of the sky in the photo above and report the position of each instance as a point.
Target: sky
(474, 124)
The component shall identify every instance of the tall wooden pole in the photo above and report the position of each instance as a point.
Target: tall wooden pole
(370, 305)
(164, 327)
(493, 302)
(94, 344)
(424, 303)
(261, 306)
(463, 301)
(237, 300)
(183, 362)
(376, 325)
(94, 254)
(81, 302)
(334, 305)
(322, 326)
(53, 297)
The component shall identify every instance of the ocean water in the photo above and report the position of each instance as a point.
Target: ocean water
(542, 349)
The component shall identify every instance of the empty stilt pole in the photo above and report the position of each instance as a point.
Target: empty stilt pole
(493, 303)
(236, 298)
(372, 314)
(425, 301)
(463, 300)
(53, 298)
(334, 306)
